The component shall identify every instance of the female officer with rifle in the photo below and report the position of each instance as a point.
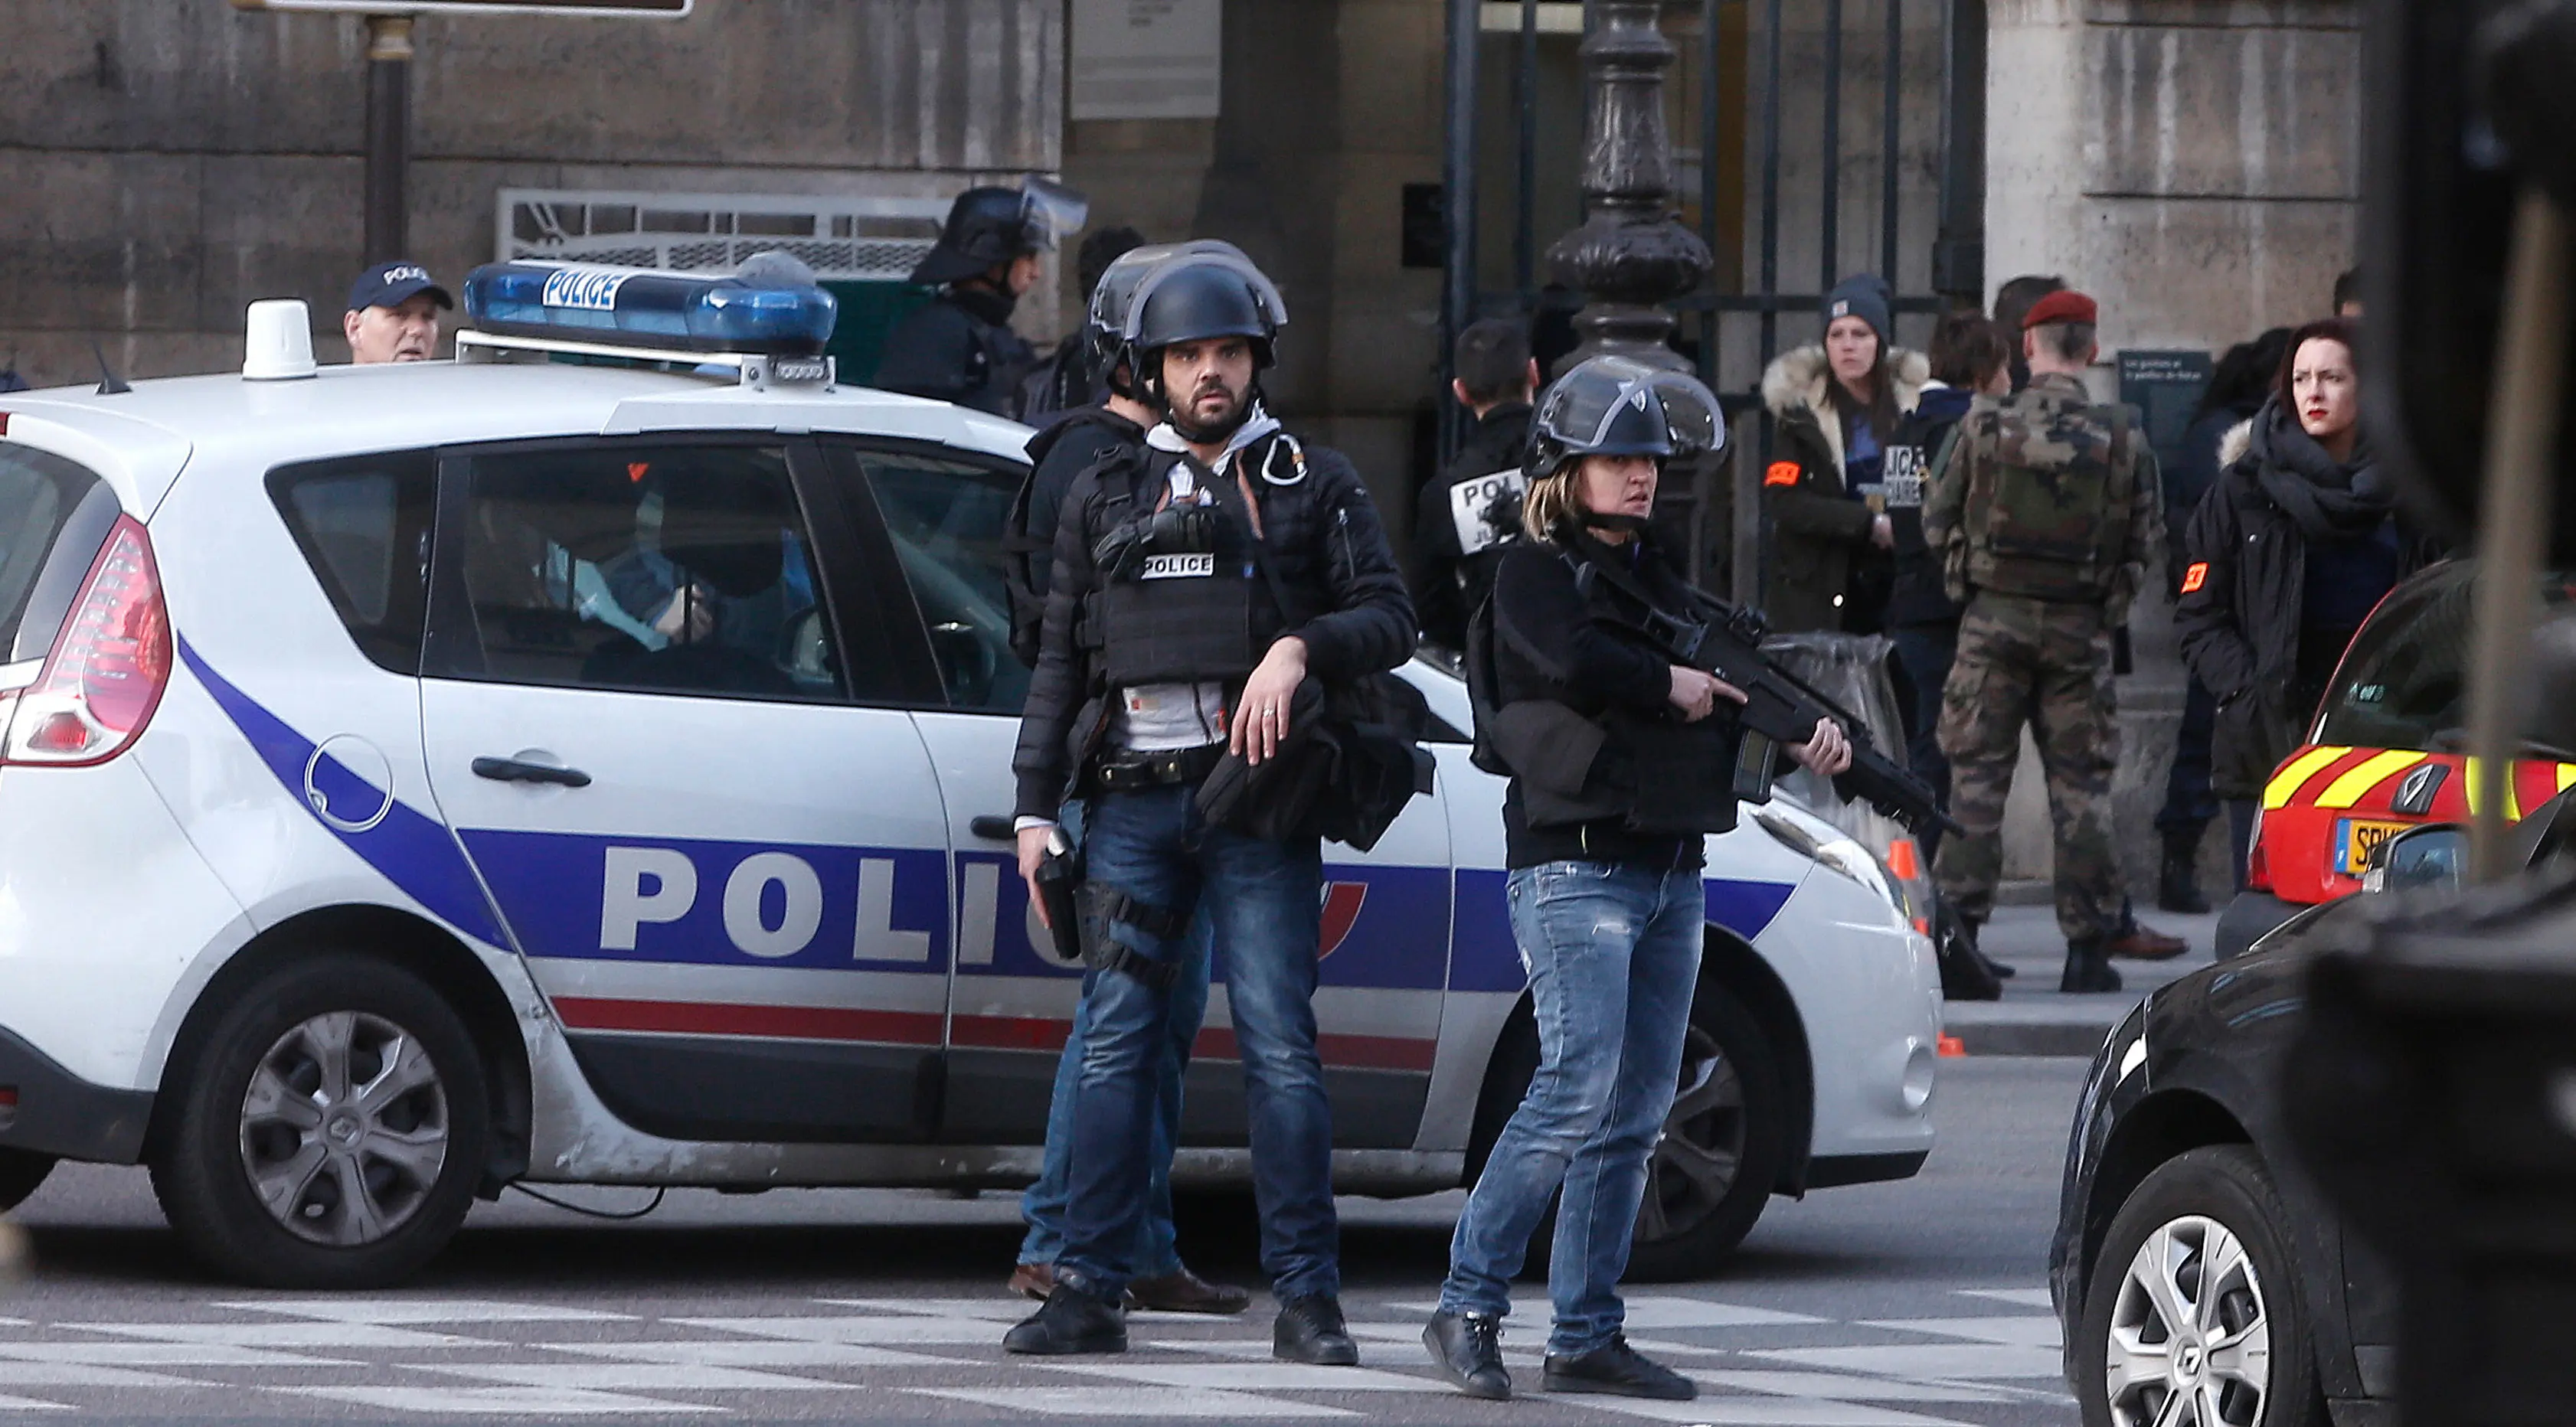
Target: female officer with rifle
(1621, 760)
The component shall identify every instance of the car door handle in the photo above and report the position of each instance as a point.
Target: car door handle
(519, 770)
(993, 828)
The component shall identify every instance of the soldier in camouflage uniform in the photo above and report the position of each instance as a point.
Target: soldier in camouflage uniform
(2046, 514)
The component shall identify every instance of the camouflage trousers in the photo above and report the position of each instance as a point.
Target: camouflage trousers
(2048, 665)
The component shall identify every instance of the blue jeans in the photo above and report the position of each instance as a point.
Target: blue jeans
(1925, 652)
(1157, 1246)
(1264, 902)
(1613, 958)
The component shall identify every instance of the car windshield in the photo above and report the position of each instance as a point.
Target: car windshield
(2404, 682)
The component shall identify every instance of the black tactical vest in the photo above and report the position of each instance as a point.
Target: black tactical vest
(1176, 604)
(1653, 773)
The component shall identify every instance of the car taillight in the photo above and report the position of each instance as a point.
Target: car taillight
(107, 668)
(2258, 868)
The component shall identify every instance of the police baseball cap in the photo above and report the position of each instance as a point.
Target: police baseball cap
(393, 284)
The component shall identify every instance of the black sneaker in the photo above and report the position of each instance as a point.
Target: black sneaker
(1072, 1321)
(1468, 1350)
(1310, 1330)
(1619, 1370)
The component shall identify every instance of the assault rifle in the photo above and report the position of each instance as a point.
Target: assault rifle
(1727, 641)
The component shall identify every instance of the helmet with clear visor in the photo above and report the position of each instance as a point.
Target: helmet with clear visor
(1619, 406)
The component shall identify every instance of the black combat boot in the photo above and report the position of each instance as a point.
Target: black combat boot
(1468, 1350)
(2178, 883)
(2088, 969)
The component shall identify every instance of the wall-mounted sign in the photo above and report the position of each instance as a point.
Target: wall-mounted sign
(2166, 388)
(1145, 59)
(614, 9)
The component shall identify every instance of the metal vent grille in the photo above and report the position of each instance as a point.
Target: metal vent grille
(842, 239)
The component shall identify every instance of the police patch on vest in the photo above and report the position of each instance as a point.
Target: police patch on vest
(1486, 510)
(1178, 567)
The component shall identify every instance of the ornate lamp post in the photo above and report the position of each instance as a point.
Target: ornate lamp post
(1632, 254)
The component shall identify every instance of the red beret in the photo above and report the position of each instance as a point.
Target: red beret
(2068, 306)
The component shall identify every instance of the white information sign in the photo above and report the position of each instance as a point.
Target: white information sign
(1146, 59)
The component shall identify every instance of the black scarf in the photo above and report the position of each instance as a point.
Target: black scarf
(2328, 500)
(990, 304)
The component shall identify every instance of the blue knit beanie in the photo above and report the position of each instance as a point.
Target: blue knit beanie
(1866, 297)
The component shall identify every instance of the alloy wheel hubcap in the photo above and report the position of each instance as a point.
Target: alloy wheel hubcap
(1700, 1153)
(344, 1128)
(2191, 1334)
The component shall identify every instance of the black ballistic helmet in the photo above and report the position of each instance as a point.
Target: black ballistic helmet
(988, 227)
(1204, 289)
(1619, 406)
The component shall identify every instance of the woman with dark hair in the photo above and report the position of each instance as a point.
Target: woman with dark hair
(1825, 565)
(2289, 553)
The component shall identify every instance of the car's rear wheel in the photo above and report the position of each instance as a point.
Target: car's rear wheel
(21, 1173)
(330, 1132)
(1720, 1153)
(2195, 1316)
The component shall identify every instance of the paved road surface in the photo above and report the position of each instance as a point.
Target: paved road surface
(1899, 1305)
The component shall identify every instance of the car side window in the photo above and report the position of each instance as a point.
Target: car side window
(948, 519)
(651, 568)
(2403, 683)
(363, 526)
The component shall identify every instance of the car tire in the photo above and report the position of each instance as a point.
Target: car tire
(22, 1172)
(1721, 1152)
(2245, 1353)
(346, 1093)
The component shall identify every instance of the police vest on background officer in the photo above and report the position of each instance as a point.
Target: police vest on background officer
(959, 346)
(1464, 518)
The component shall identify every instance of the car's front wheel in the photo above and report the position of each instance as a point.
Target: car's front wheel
(21, 1173)
(330, 1131)
(2195, 1316)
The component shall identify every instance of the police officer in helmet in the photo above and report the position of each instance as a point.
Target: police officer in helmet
(1074, 441)
(1621, 760)
(1196, 587)
(959, 346)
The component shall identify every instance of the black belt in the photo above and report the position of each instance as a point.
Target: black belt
(1130, 772)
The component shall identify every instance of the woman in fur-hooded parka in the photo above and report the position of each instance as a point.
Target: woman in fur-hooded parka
(1817, 528)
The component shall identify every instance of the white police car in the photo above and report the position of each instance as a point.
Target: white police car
(546, 768)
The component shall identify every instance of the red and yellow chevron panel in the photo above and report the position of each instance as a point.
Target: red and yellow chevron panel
(2326, 806)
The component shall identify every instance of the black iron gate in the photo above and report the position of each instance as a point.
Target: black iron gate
(1750, 284)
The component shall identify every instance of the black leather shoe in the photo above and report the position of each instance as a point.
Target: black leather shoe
(1182, 1291)
(1619, 1370)
(1071, 1322)
(1468, 1350)
(1310, 1330)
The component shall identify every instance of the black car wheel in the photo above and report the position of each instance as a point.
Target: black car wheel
(330, 1132)
(1718, 1157)
(2194, 1316)
(21, 1172)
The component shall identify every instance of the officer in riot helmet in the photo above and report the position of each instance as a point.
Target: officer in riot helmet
(1197, 587)
(959, 346)
(1621, 759)
(1073, 441)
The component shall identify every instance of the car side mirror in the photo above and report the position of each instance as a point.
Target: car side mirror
(2419, 857)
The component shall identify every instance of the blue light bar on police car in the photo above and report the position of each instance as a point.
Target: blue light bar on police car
(646, 307)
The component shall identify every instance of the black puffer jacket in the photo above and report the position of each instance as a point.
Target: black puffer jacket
(2245, 586)
(1326, 546)
(1067, 445)
(959, 347)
